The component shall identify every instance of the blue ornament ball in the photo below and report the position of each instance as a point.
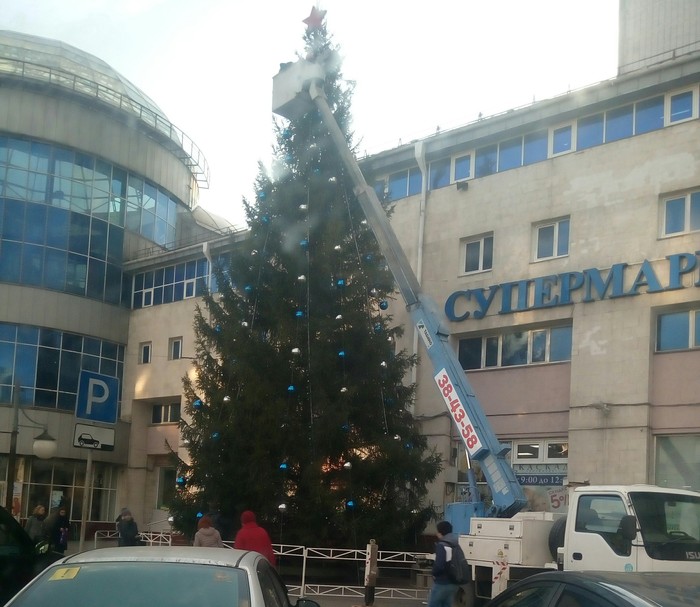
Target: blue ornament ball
(378, 327)
(384, 304)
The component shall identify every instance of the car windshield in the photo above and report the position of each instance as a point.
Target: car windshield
(138, 584)
(670, 524)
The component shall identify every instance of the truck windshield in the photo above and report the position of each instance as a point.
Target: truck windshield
(670, 525)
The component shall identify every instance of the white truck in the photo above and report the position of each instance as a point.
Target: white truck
(615, 528)
(610, 528)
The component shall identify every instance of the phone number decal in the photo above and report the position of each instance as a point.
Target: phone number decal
(458, 412)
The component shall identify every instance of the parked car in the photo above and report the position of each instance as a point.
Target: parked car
(602, 589)
(20, 558)
(175, 576)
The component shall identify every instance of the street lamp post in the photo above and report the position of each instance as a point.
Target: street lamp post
(44, 447)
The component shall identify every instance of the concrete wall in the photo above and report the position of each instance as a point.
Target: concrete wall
(612, 195)
(652, 32)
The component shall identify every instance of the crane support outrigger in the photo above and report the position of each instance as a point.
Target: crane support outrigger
(298, 88)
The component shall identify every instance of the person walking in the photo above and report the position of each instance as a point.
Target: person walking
(128, 529)
(58, 527)
(207, 536)
(253, 537)
(444, 590)
(34, 526)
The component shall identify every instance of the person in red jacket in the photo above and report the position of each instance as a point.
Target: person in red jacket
(252, 536)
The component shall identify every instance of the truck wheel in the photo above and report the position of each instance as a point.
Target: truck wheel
(556, 536)
(465, 596)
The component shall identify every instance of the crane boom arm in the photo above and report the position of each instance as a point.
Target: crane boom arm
(295, 89)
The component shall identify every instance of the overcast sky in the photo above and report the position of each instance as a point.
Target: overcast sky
(209, 64)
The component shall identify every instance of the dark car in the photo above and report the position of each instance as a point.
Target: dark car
(176, 576)
(602, 589)
(20, 558)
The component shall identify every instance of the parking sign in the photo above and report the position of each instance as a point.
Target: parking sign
(97, 397)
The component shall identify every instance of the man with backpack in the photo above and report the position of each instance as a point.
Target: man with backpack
(449, 568)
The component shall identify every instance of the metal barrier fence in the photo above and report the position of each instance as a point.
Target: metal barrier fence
(150, 538)
(398, 559)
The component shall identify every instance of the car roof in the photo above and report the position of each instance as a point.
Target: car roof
(224, 557)
(665, 588)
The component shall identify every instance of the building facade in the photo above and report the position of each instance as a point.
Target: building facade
(561, 242)
(92, 176)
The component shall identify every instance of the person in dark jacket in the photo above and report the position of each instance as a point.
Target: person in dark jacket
(443, 591)
(57, 528)
(253, 537)
(127, 529)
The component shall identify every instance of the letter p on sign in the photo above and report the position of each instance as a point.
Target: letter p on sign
(97, 397)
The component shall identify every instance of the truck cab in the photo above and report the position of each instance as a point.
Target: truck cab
(632, 528)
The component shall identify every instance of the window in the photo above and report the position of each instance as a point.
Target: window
(398, 185)
(562, 140)
(510, 154)
(463, 167)
(589, 132)
(145, 353)
(681, 107)
(415, 181)
(681, 214)
(486, 161)
(175, 348)
(165, 414)
(649, 115)
(478, 253)
(439, 173)
(619, 123)
(678, 462)
(535, 147)
(404, 183)
(540, 451)
(552, 239)
(678, 331)
(537, 346)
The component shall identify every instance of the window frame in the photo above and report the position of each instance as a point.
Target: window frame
(687, 213)
(145, 352)
(174, 342)
(556, 223)
(170, 413)
(668, 116)
(693, 336)
(542, 457)
(488, 339)
(464, 244)
(556, 128)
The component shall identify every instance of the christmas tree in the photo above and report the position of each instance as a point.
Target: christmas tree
(300, 409)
